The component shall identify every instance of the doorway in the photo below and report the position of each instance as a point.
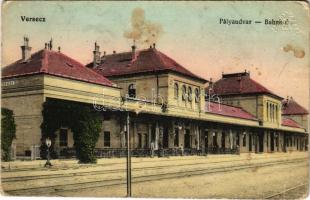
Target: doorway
(187, 139)
(261, 142)
(206, 142)
(250, 142)
(214, 141)
(139, 140)
(223, 140)
(165, 138)
(272, 141)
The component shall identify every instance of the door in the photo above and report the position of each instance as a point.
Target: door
(223, 140)
(261, 142)
(187, 139)
(206, 143)
(272, 141)
(250, 142)
(214, 141)
(139, 140)
(153, 133)
(165, 138)
(146, 141)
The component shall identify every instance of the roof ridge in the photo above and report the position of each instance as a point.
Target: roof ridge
(54, 63)
(158, 53)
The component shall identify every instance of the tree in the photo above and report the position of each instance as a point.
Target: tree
(8, 131)
(82, 119)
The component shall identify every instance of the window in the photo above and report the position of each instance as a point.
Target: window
(106, 139)
(63, 137)
(267, 111)
(276, 113)
(197, 95)
(272, 112)
(183, 92)
(176, 90)
(132, 91)
(189, 94)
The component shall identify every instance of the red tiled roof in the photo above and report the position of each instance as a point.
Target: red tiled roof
(147, 60)
(226, 110)
(291, 107)
(54, 63)
(239, 83)
(289, 122)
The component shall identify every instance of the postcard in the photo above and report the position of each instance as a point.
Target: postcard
(155, 99)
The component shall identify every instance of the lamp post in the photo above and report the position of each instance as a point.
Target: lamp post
(48, 143)
(128, 158)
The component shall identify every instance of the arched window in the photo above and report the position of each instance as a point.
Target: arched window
(272, 112)
(183, 92)
(267, 111)
(132, 91)
(276, 112)
(176, 90)
(270, 119)
(197, 95)
(190, 94)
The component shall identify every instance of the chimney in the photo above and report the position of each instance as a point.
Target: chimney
(211, 83)
(154, 45)
(51, 44)
(59, 49)
(26, 50)
(133, 52)
(96, 53)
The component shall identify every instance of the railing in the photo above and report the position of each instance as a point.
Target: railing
(218, 150)
(122, 152)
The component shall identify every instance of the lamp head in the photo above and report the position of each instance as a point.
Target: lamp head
(48, 142)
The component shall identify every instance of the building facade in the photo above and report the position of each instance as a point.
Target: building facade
(171, 110)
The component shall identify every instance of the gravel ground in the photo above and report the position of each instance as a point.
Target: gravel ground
(251, 183)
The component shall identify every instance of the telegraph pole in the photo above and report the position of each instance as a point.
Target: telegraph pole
(128, 158)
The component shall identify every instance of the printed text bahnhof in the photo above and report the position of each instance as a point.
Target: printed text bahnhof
(248, 21)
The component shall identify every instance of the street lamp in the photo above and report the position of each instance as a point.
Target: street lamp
(128, 158)
(48, 143)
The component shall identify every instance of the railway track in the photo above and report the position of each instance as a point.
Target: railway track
(39, 168)
(295, 192)
(54, 189)
(102, 171)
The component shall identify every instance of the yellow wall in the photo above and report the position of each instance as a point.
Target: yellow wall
(175, 102)
(268, 120)
(300, 119)
(24, 96)
(147, 86)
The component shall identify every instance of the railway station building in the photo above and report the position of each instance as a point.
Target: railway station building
(172, 110)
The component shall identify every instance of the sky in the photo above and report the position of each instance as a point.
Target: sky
(276, 56)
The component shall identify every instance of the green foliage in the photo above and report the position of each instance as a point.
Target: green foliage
(8, 129)
(82, 119)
